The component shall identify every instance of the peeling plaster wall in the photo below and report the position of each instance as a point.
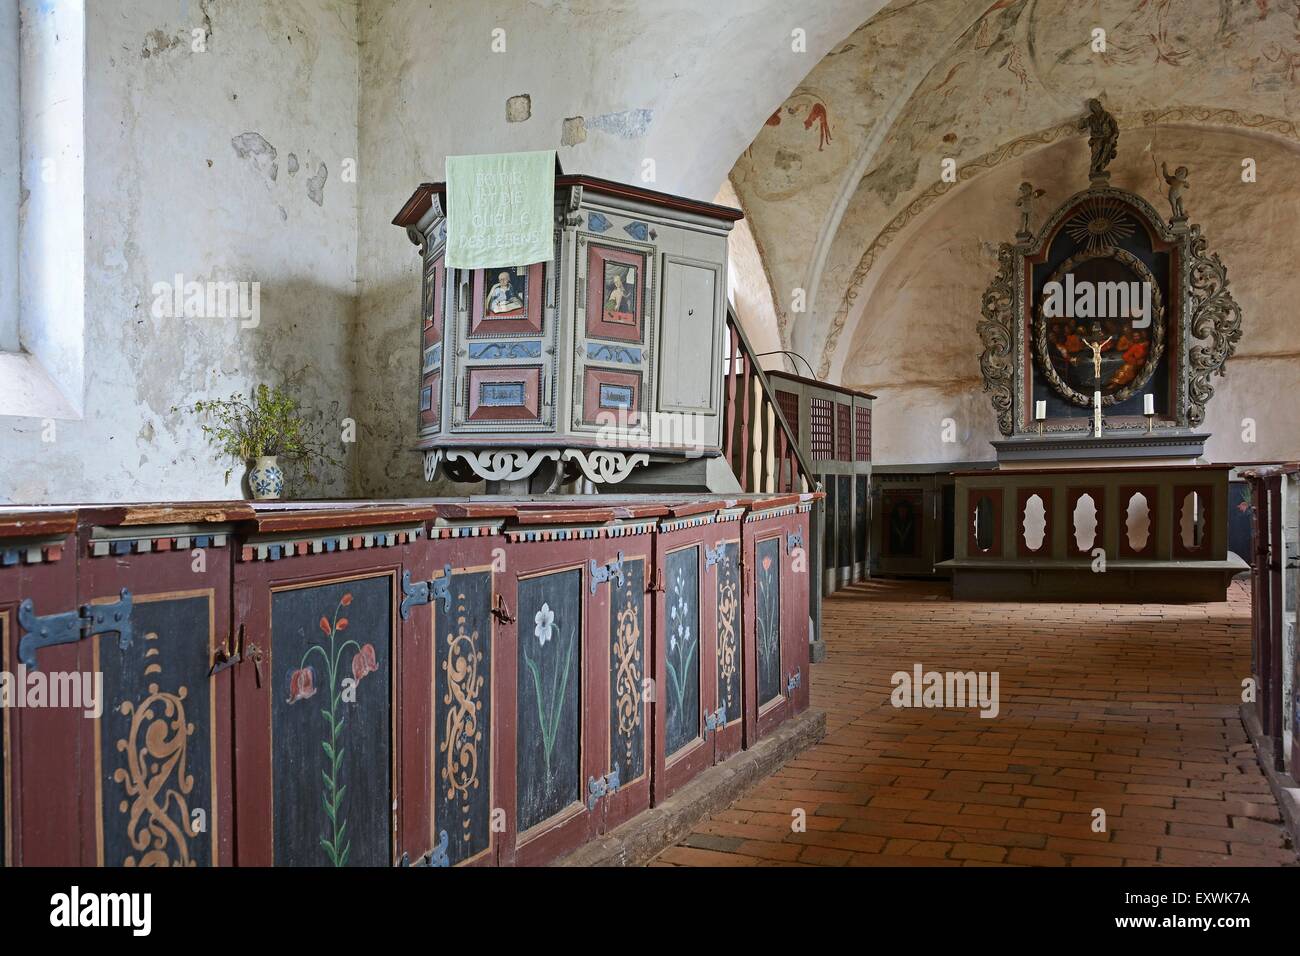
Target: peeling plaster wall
(915, 344)
(167, 192)
(610, 84)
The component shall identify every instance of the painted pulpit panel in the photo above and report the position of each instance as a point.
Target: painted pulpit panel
(627, 663)
(156, 739)
(729, 649)
(681, 647)
(331, 723)
(767, 613)
(549, 696)
(462, 687)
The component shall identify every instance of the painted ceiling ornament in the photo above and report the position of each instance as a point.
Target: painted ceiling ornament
(1099, 223)
(1103, 139)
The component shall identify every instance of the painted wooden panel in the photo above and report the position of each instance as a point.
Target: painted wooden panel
(844, 519)
(682, 640)
(331, 723)
(729, 647)
(462, 683)
(686, 380)
(6, 840)
(767, 618)
(156, 739)
(627, 663)
(548, 727)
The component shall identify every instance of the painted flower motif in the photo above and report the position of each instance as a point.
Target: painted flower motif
(767, 563)
(363, 662)
(545, 624)
(302, 684)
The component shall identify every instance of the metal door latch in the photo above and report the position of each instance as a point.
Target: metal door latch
(501, 612)
(229, 656)
(598, 787)
(793, 540)
(794, 680)
(600, 573)
(255, 655)
(71, 626)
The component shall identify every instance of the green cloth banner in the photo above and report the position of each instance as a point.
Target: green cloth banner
(500, 209)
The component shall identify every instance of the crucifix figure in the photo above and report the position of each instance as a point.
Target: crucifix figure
(1096, 357)
(1096, 373)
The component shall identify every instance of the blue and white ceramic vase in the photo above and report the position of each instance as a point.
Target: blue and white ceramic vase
(266, 479)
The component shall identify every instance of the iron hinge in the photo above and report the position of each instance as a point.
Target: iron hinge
(600, 573)
(598, 787)
(716, 720)
(435, 857)
(793, 540)
(72, 626)
(426, 592)
(794, 680)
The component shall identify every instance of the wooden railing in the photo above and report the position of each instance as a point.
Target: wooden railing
(757, 440)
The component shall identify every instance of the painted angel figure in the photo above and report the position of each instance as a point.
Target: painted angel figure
(1177, 183)
(1025, 203)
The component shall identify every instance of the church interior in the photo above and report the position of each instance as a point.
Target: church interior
(748, 434)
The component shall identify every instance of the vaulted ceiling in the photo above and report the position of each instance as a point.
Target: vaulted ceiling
(853, 159)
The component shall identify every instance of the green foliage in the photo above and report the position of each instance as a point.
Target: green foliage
(271, 422)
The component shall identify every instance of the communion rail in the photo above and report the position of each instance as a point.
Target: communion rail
(501, 681)
(1137, 534)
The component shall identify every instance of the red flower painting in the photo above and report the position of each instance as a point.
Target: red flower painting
(363, 662)
(302, 684)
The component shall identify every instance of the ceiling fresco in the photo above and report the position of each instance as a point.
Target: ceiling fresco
(853, 157)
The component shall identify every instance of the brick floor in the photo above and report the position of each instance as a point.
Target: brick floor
(1130, 709)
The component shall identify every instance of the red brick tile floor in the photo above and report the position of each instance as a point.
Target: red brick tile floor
(1130, 709)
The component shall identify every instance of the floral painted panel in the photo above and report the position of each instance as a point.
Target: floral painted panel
(682, 657)
(548, 725)
(767, 614)
(331, 719)
(462, 684)
(729, 650)
(627, 662)
(155, 750)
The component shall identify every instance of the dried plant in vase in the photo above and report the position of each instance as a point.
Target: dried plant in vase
(268, 431)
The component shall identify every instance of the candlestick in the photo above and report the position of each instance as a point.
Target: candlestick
(1040, 413)
(1148, 404)
(1096, 414)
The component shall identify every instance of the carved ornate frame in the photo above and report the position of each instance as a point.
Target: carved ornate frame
(1204, 321)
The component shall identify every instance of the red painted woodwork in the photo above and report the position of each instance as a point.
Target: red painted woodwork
(52, 800)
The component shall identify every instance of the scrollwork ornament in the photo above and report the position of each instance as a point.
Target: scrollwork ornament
(995, 330)
(1216, 322)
